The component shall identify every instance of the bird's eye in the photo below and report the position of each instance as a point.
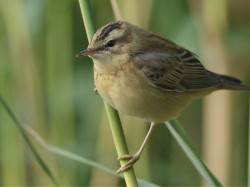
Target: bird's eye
(110, 43)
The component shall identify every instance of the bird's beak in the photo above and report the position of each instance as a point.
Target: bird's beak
(85, 52)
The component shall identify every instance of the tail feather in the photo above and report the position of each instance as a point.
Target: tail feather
(232, 83)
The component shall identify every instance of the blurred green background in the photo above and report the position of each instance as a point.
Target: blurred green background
(52, 92)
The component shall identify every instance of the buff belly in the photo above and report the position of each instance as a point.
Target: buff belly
(133, 96)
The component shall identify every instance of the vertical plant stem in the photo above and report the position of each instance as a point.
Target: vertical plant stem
(116, 10)
(113, 116)
(120, 143)
(87, 17)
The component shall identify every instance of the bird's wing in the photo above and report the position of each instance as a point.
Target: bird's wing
(180, 71)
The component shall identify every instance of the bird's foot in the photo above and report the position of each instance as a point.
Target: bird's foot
(131, 161)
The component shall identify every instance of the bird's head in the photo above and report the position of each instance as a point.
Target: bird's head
(111, 44)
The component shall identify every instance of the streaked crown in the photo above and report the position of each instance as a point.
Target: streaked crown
(113, 38)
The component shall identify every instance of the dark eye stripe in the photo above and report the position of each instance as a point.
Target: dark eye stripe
(106, 30)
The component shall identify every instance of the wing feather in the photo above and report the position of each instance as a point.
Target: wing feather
(180, 71)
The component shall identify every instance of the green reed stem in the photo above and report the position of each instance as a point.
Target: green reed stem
(114, 120)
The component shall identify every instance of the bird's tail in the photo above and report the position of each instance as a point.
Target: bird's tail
(231, 83)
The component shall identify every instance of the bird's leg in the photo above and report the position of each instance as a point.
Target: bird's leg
(133, 159)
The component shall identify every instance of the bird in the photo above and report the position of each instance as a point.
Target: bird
(142, 74)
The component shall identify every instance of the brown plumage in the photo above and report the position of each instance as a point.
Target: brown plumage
(144, 75)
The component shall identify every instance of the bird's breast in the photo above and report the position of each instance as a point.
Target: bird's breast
(130, 93)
